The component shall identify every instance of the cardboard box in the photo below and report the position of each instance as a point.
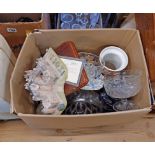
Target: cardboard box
(7, 62)
(88, 41)
(15, 32)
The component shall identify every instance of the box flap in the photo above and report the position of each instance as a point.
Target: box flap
(5, 48)
(82, 121)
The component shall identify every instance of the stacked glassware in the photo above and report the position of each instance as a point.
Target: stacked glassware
(80, 20)
(123, 86)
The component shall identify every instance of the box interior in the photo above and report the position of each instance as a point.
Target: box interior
(85, 40)
(13, 17)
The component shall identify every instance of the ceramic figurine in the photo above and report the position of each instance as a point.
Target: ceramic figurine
(46, 83)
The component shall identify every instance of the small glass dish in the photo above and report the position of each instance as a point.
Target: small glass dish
(67, 17)
(124, 105)
(76, 26)
(93, 70)
(65, 26)
(124, 84)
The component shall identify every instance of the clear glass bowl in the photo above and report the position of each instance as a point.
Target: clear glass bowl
(124, 105)
(124, 84)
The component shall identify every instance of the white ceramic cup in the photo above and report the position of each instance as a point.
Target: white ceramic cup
(113, 59)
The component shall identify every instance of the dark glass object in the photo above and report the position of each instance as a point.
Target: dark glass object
(106, 100)
(83, 102)
(24, 19)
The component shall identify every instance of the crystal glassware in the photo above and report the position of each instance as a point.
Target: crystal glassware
(84, 21)
(124, 105)
(67, 17)
(78, 16)
(93, 70)
(123, 85)
(94, 18)
(65, 25)
(81, 20)
(96, 26)
(76, 26)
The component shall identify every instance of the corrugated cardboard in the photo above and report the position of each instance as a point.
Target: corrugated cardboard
(15, 32)
(85, 41)
(7, 62)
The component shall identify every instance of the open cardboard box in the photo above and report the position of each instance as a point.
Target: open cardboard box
(86, 41)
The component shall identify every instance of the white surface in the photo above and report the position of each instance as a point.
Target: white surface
(74, 69)
(85, 6)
